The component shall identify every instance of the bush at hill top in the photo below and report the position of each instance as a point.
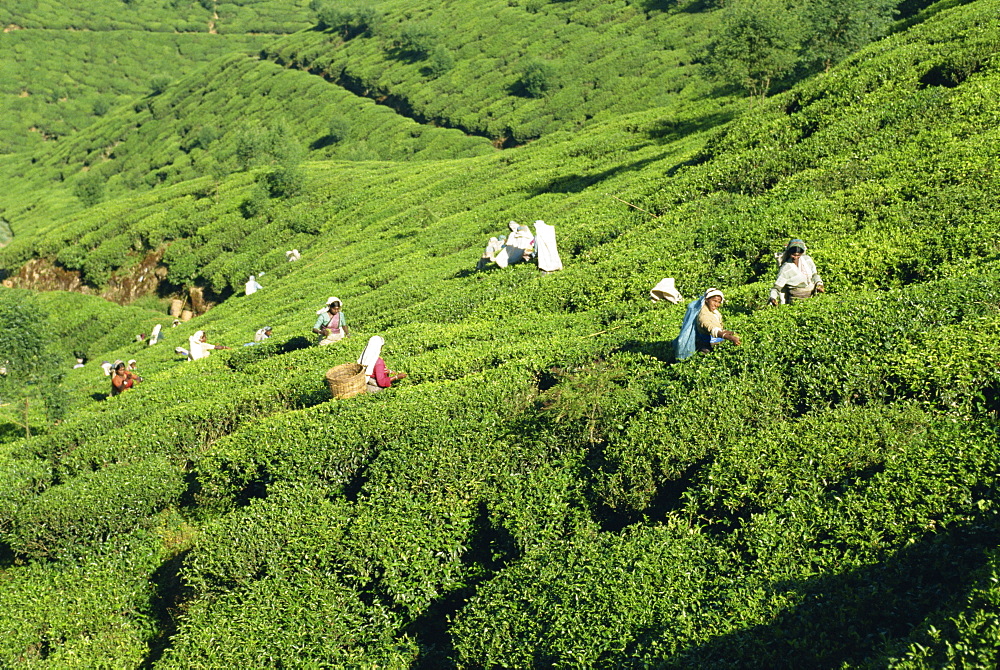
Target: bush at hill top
(547, 487)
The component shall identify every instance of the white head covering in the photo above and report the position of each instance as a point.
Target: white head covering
(513, 226)
(262, 334)
(714, 291)
(545, 244)
(665, 290)
(329, 301)
(371, 352)
(130, 363)
(251, 286)
(195, 349)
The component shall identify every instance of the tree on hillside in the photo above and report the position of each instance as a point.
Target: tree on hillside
(89, 189)
(536, 78)
(758, 43)
(29, 368)
(349, 22)
(257, 146)
(839, 27)
(275, 148)
(439, 61)
(158, 85)
(415, 41)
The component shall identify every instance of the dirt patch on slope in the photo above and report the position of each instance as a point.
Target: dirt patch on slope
(40, 274)
(147, 277)
(143, 278)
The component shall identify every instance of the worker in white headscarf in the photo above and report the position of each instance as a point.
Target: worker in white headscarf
(330, 323)
(797, 276)
(708, 327)
(545, 245)
(377, 376)
(252, 286)
(199, 347)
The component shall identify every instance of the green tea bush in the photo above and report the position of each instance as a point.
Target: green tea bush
(309, 620)
(546, 487)
(94, 507)
(23, 479)
(594, 602)
(96, 610)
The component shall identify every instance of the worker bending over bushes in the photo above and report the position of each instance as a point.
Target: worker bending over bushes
(377, 375)
(702, 329)
(122, 378)
(330, 324)
(797, 277)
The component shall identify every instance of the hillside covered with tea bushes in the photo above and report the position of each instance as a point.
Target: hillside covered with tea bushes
(506, 71)
(547, 487)
(168, 16)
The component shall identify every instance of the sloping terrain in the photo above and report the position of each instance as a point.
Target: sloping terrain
(547, 487)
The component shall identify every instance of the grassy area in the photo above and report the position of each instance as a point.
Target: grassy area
(547, 487)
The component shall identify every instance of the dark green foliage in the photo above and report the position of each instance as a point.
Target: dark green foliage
(31, 363)
(757, 44)
(836, 29)
(545, 488)
(416, 40)
(158, 85)
(89, 189)
(349, 22)
(339, 130)
(536, 79)
(101, 107)
(439, 61)
(94, 507)
(255, 205)
(283, 181)
(206, 135)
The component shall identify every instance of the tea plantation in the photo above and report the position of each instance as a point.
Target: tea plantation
(548, 487)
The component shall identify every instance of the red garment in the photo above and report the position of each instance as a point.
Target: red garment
(380, 374)
(120, 383)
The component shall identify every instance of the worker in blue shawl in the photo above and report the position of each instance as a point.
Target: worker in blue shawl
(702, 327)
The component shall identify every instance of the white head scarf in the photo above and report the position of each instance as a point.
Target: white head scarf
(714, 291)
(329, 301)
(195, 349)
(370, 355)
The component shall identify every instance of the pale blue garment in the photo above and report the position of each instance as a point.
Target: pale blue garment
(684, 344)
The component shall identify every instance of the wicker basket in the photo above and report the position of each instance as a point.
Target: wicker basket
(346, 380)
